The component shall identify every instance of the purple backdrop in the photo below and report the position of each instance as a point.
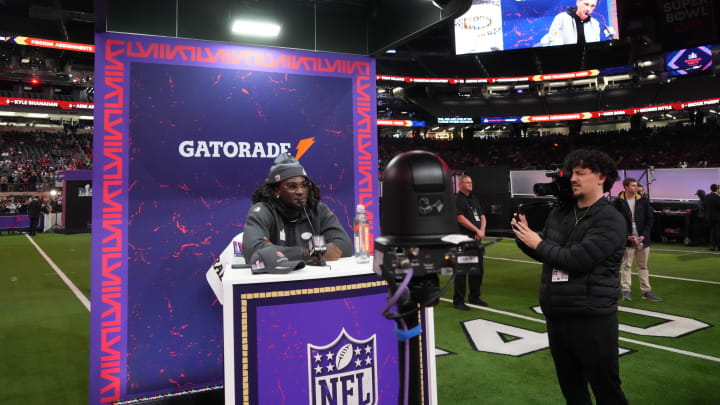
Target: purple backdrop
(168, 201)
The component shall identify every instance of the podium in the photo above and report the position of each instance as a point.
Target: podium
(315, 336)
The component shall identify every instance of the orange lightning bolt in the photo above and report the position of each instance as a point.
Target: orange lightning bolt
(303, 146)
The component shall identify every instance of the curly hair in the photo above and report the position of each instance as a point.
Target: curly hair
(266, 193)
(596, 161)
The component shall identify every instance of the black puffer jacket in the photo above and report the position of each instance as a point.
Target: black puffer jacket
(590, 253)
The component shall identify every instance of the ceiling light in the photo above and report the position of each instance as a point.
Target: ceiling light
(33, 115)
(391, 51)
(256, 28)
(86, 117)
(7, 114)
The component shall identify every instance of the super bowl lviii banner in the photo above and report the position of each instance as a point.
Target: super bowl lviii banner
(185, 131)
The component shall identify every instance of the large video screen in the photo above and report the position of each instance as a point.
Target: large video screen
(684, 61)
(497, 25)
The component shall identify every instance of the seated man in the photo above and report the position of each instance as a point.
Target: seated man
(287, 212)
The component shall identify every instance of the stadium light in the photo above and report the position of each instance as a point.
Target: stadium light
(255, 28)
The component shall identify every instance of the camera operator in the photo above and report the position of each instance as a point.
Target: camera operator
(581, 251)
(471, 221)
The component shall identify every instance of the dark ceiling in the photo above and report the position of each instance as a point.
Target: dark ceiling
(429, 53)
(426, 52)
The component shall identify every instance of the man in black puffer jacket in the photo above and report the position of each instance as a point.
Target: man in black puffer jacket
(581, 251)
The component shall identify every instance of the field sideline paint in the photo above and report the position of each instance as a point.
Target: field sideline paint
(62, 275)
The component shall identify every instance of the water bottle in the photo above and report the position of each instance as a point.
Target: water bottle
(361, 229)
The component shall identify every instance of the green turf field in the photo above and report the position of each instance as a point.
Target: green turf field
(44, 330)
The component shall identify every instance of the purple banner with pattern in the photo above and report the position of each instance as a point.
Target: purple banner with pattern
(185, 131)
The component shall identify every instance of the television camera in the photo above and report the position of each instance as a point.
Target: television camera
(419, 237)
(559, 188)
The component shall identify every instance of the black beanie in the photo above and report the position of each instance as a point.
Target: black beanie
(284, 167)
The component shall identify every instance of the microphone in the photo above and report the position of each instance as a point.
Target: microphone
(316, 244)
(609, 31)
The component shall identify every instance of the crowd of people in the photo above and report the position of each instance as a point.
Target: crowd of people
(31, 158)
(666, 147)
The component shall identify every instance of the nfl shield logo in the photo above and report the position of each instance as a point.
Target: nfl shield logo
(343, 372)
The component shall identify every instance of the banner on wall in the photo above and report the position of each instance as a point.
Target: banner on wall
(188, 130)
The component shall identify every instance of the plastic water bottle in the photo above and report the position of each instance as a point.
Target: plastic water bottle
(361, 229)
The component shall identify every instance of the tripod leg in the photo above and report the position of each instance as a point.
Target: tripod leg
(410, 362)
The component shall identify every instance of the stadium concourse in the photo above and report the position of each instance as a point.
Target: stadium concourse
(650, 99)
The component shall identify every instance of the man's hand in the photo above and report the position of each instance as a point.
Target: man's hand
(332, 253)
(523, 232)
(479, 234)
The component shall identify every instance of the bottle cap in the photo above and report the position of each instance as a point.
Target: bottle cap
(360, 209)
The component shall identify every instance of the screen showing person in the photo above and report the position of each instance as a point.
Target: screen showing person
(574, 26)
(496, 25)
(287, 213)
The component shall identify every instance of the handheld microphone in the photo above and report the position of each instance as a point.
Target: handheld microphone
(609, 31)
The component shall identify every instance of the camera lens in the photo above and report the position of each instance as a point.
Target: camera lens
(545, 189)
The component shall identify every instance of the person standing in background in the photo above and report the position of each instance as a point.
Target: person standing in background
(34, 210)
(712, 204)
(471, 222)
(639, 218)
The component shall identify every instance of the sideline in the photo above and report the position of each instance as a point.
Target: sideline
(693, 280)
(62, 275)
(637, 342)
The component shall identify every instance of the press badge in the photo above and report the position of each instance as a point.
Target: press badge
(559, 276)
(477, 218)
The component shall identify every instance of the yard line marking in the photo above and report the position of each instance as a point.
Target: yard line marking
(671, 349)
(685, 279)
(651, 275)
(512, 260)
(637, 342)
(683, 251)
(62, 275)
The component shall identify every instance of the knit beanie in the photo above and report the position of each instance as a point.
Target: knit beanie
(284, 167)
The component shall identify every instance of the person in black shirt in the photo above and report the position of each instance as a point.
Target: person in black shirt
(34, 210)
(712, 204)
(581, 248)
(471, 222)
